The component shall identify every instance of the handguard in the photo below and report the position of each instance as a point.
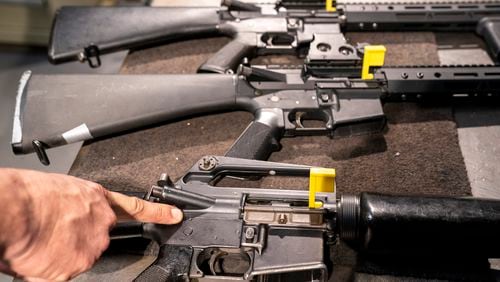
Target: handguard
(250, 233)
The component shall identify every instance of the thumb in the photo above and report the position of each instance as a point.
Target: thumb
(126, 207)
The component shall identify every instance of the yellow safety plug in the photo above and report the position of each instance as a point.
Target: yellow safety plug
(331, 6)
(320, 180)
(374, 57)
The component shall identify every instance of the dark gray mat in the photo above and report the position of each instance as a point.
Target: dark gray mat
(419, 153)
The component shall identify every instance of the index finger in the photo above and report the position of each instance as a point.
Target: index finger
(126, 207)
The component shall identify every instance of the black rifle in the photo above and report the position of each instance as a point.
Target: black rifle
(83, 33)
(54, 110)
(253, 233)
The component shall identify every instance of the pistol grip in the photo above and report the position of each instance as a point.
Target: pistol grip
(489, 29)
(257, 142)
(227, 59)
(172, 265)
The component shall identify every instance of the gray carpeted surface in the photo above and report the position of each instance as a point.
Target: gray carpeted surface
(419, 152)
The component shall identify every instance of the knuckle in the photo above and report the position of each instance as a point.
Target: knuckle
(96, 186)
(65, 275)
(105, 243)
(62, 277)
(112, 219)
(136, 205)
(161, 213)
(74, 275)
(108, 216)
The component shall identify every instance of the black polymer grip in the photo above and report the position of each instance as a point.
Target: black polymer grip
(172, 265)
(489, 29)
(428, 225)
(228, 58)
(63, 109)
(118, 28)
(257, 142)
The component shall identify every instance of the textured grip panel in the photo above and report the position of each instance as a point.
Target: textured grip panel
(153, 273)
(228, 58)
(172, 265)
(257, 142)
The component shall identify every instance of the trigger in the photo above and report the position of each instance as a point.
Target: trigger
(214, 259)
(298, 119)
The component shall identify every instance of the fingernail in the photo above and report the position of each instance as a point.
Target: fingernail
(177, 214)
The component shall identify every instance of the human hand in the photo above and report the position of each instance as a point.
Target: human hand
(56, 226)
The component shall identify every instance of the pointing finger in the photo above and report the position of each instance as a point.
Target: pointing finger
(127, 207)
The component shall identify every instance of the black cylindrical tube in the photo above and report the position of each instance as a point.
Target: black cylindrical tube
(385, 224)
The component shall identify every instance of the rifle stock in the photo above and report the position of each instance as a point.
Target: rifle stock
(110, 29)
(63, 109)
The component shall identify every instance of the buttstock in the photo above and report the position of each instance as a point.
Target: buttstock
(62, 109)
(78, 33)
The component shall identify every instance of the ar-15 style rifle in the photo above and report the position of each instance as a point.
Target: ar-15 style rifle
(54, 110)
(246, 234)
(84, 33)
